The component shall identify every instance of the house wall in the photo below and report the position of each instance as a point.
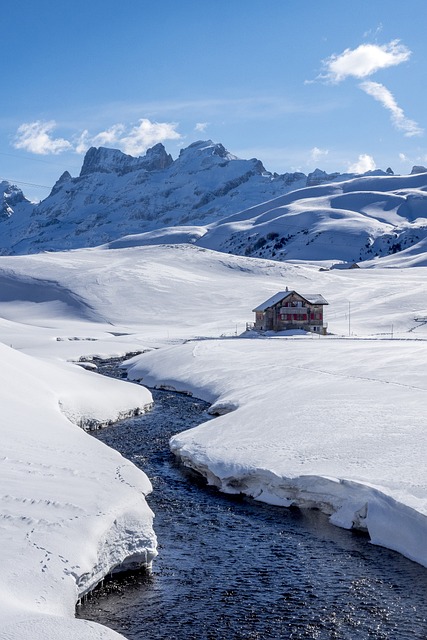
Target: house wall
(292, 312)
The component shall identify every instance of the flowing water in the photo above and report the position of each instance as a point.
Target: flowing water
(232, 569)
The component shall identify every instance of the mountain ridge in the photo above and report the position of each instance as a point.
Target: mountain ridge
(208, 196)
(117, 194)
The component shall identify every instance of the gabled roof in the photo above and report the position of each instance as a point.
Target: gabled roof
(312, 298)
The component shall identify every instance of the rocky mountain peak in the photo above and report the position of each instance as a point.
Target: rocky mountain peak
(318, 176)
(205, 149)
(103, 160)
(65, 177)
(11, 197)
(418, 169)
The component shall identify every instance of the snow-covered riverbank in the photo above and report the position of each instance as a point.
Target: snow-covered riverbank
(72, 510)
(348, 411)
(334, 424)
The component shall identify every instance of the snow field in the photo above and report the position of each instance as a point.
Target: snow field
(334, 422)
(72, 510)
(329, 423)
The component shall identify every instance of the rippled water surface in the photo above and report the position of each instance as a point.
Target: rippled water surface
(229, 568)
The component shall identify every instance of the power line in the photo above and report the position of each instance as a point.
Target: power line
(27, 184)
(20, 156)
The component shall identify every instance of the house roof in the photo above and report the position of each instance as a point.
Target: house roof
(312, 298)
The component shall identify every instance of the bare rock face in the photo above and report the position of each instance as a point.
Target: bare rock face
(320, 177)
(10, 198)
(418, 169)
(103, 160)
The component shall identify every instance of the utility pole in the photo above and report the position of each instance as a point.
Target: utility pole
(349, 314)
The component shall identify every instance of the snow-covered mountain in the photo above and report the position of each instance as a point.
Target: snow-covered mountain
(209, 197)
(355, 220)
(117, 194)
(358, 220)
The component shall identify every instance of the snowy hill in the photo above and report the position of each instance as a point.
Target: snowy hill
(117, 194)
(358, 220)
(354, 220)
(360, 460)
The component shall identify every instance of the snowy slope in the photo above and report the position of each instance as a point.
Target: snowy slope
(352, 221)
(72, 510)
(57, 306)
(336, 424)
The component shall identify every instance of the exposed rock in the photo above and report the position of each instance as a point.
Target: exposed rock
(103, 160)
(320, 177)
(418, 169)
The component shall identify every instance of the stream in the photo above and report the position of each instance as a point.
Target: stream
(230, 568)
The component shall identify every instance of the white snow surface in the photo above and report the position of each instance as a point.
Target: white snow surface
(336, 422)
(72, 510)
(352, 220)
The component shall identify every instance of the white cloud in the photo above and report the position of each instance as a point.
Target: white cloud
(364, 163)
(146, 134)
(134, 140)
(386, 98)
(35, 137)
(316, 153)
(365, 60)
(109, 137)
(82, 142)
(201, 126)
(403, 157)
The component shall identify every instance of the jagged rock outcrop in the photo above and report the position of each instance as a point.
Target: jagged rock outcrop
(320, 177)
(418, 169)
(11, 197)
(103, 160)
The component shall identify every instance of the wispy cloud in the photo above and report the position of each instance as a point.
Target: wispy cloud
(373, 33)
(386, 98)
(145, 134)
(363, 61)
(36, 137)
(201, 126)
(364, 163)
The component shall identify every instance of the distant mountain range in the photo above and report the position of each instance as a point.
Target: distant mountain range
(210, 197)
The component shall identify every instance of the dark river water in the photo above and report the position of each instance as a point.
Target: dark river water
(232, 569)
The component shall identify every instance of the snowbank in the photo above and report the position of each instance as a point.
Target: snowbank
(72, 510)
(334, 424)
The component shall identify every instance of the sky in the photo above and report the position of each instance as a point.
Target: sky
(299, 85)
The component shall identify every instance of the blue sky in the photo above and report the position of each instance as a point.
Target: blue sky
(300, 85)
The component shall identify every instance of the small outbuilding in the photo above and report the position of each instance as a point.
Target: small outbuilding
(291, 310)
